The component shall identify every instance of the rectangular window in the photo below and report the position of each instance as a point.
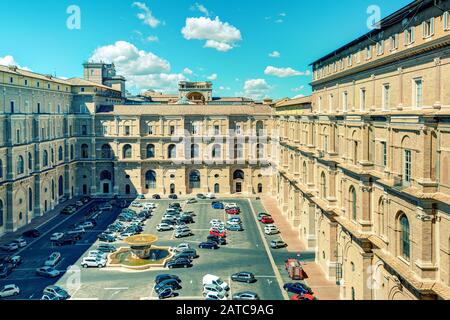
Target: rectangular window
(105, 130)
(386, 97)
(349, 60)
(384, 154)
(11, 80)
(127, 130)
(194, 129)
(38, 108)
(238, 128)
(48, 86)
(345, 101)
(84, 130)
(428, 28)
(407, 167)
(38, 84)
(216, 130)
(172, 130)
(363, 99)
(380, 47)
(358, 57)
(446, 20)
(394, 42)
(368, 52)
(25, 82)
(82, 89)
(409, 36)
(150, 130)
(418, 93)
(12, 105)
(330, 103)
(320, 103)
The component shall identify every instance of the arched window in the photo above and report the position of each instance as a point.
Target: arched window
(194, 180)
(60, 154)
(127, 152)
(20, 165)
(150, 151)
(260, 188)
(238, 151)
(84, 151)
(353, 203)
(53, 189)
(172, 151)
(216, 151)
(353, 294)
(1, 169)
(106, 151)
(45, 158)
(259, 128)
(105, 175)
(30, 162)
(405, 245)
(195, 151)
(238, 175)
(127, 189)
(323, 186)
(305, 173)
(381, 216)
(259, 151)
(71, 152)
(217, 188)
(30, 199)
(60, 186)
(1, 213)
(150, 180)
(172, 188)
(355, 152)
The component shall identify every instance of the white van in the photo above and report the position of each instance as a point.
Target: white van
(215, 280)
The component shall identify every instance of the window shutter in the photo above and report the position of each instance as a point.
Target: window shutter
(432, 26)
(412, 34)
(446, 14)
(406, 37)
(424, 31)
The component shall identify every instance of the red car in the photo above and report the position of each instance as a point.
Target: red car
(218, 234)
(303, 297)
(233, 211)
(267, 220)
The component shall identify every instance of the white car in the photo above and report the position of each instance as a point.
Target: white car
(230, 205)
(87, 225)
(150, 206)
(106, 207)
(56, 236)
(97, 253)
(215, 280)
(95, 262)
(21, 242)
(182, 247)
(164, 227)
(9, 290)
(210, 196)
(233, 222)
(215, 221)
(10, 247)
(214, 288)
(215, 296)
(136, 204)
(271, 229)
(53, 259)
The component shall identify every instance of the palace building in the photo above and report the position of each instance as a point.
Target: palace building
(360, 168)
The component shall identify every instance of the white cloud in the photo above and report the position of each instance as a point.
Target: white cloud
(284, 72)
(256, 89)
(201, 8)
(224, 88)
(143, 70)
(152, 39)
(218, 35)
(279, 21)
(298, 89)
(212, 77)
(275, 54)
(283, 14)
(10, 61)
(146, 15)
(187, 71)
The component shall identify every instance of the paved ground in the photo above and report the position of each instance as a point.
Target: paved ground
(245, 251)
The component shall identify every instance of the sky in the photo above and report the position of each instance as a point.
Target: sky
(252, 48)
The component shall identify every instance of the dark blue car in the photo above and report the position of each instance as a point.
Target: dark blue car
(162, 277)
(297, 288)
(165, 292)
(208, 245)
(218, 205)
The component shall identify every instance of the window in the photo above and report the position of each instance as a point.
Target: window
(259, 151)
(82, 89)
(12, 104)
(150, 180)
(362, 95)
(172, 151)
(323, 186)
(238, 128)
(238, 175)
(105, 129)
(216, 151)
(369, 53)
(150, 151)
(409, 36)
(84, 151)
(345, 100)
(84, 130)
(384, 153)
(428, 28)
(353, 203)
(386, 97)
(330, 103)
(216, 130)
(194, 180)
(38, 84)
(30, 162)
(127, 152)
(349, 60)
(380, 47)
(45, 158)
(72, 153)
(238, 151)
(127, 130)
(418, 92)
(60, 154)
(18, 136)
(38, 108)
(305, 173)
(447, 20)
(30, 199)
(394, 42)
(172, 130)
(404, 237)
(195, 129)
(20, 165)
(407, 166)
(195, 151)
(25, 82)
(150, 129)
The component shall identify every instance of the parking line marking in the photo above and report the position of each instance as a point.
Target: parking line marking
(124, 288)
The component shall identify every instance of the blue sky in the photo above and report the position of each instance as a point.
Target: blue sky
(228, 41)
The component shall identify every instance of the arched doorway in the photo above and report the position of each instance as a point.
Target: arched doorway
(238, 181)
(194, 180)
(260, 188)
(105, 182)
(216, 188)
(172, 188)
(150, 180)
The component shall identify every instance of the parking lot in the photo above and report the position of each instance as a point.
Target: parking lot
(247, 250)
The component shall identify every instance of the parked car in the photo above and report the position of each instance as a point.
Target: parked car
(216, 239)
(106, 207)
(183, 233)
(186, 219)
(79, 204)
(150, 206)
(53, 259)
(164, 227)
(247, 295)
(267, 220)
(276, 244)
(297, 288)
(173, 283)
(303, 297)
(106, 248)
(263, 214)
(232, 211)
(87, 225)
(6, 269)
(244, 276)
(162, 277)
(210, 196)
(10, 247)
(230, 205)
(201, 196)
(137, 204)
(9, 290)
(214, 288)
(217, 205)
(191, 201)
(173, 196)
(140, 197)
(215, 280)
(218, 234)
(33, 233)
(179, 263)
(182, 247)
(68, 239)
(208, 245)
(48, 272)
(95, 262)
(165, 292)
(236, 227)
(185, 255)
(233, 222)
(106, 238)
(69, 210)
(14, 260)
(21, 242)
(98, 254)
(271, 229)
(50, 297)
(156, 196)
(86, 199)
(57, 291)
(63, 199)
(56, 236)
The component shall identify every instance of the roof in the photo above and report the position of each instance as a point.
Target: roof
(82, 82)
(180, 110)
(295, 101)
(26, 73)
(388, 21)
